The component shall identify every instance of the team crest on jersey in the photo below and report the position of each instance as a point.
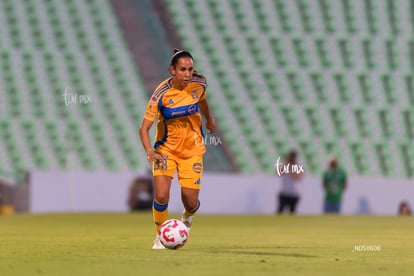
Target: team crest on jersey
(197, 167)
(194, 94)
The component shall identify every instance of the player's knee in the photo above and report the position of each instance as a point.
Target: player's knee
(193, 206)
(161, 198)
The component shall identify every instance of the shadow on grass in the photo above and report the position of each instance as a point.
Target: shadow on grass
(257, 252)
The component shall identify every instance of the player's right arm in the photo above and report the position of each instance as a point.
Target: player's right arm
(145, 140)
(150, 115)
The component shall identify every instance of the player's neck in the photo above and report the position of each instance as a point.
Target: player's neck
(175, 84)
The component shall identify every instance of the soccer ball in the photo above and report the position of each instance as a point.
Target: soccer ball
(173, 234)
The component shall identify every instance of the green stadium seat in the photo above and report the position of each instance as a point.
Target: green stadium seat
(349, 16)
(314, 121)
(408, 122)
(389, 88)
(322, 51)
(346, 54)
(283, 16)
(278, 52)
(261, 17)
(307, 150)
(342, 88)
(327, 17)
(305, 16)
(372, 20)
(409, 81)
(296, 86)
(338, 122)
(272, 85)
(385, 122)
(362, 122)
(301, 54)
(318, 87)
(391, 54)
(384, 158)
(291, 120)
(407, 155)
(359, 157)
(365, 88)
(369, 54)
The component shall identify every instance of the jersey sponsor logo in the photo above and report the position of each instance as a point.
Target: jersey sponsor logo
(177, 113)
(197, 167)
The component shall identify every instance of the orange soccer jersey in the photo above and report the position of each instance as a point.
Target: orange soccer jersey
(179, 127)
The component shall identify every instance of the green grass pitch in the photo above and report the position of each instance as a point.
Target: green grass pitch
(120, 244)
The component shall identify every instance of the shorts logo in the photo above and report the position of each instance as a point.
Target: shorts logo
(160, 165)
(198, 181)
(197, 167)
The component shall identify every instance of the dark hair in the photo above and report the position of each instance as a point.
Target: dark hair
(402, 205)
(292, 155)
(177, 54)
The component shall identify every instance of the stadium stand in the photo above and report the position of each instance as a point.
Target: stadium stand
(325, 77)
(50, 48)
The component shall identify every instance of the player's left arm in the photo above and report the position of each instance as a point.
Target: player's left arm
(210, 121)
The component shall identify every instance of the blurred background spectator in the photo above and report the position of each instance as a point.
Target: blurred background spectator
(404, 209)
(141, 193)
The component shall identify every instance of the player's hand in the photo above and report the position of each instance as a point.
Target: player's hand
(155, 156)
(210, 124)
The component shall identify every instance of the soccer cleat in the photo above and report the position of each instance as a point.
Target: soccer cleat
(187, 220)
(157, 243)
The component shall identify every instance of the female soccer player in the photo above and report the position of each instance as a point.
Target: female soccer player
(177, 103)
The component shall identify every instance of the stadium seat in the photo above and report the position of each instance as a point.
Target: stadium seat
(408, 122)
(359, 157)
(389, 89)
(323, 53)
(406, 150)
(327, 17)
(384, 158)
(362, 122)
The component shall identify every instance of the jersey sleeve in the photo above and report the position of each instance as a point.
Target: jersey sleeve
(203, 91)
(151, 111)
(203, 95)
